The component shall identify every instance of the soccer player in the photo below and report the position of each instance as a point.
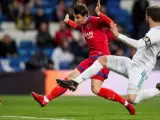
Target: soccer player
(96, 39)
(137, 69)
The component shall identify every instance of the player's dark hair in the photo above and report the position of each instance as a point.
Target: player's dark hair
(154, 13)
(81, 9)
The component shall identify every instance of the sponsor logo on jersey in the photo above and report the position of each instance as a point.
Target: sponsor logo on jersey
(88, 35)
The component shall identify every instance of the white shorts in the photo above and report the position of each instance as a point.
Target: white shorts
(122, 65)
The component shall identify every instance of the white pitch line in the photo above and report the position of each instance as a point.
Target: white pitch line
(37, 118)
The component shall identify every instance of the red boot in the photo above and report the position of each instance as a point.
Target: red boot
(39, 99)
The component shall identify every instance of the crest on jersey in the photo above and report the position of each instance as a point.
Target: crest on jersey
(147, 41)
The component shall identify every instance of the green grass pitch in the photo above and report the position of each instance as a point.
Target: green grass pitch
(75, 108)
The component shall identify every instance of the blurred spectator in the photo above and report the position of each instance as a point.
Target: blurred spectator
(62, 54)
(43, 38)
(92, 5)
(64, 34)
(37, 3)
(91, 2)
(79, 49)
(15, 9)
(5, 8)
(117, 47)
(82, 1)
(27, 3)
(31, 3)
(138, 15)
(143, 29)
(40, 17)
(8, 47)
(23, 1)
(39, 61)
(120, 52)
(70, 12)
(60, 11)
(25, 21)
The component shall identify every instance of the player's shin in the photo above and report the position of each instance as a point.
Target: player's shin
(111, 95)
(57, 91)
(92, 70)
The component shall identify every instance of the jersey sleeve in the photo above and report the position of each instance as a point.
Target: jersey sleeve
(73, 24)
(105, 18)
(152, 37)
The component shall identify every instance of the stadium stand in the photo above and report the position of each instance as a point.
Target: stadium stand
(26, 40)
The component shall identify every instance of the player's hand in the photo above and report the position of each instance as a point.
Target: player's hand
(97, 10)
(66, 18)
(113, 28)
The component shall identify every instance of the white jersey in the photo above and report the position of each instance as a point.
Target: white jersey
(146, 57)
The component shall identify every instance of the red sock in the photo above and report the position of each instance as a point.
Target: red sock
(57, 91)
(111, 95)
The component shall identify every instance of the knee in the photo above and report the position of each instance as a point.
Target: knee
(103, 60)
(95, 89)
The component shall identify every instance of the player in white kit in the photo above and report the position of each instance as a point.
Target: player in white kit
(137, 69)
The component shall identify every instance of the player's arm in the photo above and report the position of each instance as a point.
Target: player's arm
(144, 42)
(132, 42)
(70, 22)
(129, 41)
(106, 19)
(151, 38)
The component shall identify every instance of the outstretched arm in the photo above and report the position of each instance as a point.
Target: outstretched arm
(151, 38)
(132, 42)
(129, 41)
(70, 22)
(106, 19)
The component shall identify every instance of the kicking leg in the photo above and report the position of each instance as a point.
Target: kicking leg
(57, 91)
(115, 63)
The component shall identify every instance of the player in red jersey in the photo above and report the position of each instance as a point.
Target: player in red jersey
(96, 39)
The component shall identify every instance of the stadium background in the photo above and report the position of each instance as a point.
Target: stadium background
(36, 47)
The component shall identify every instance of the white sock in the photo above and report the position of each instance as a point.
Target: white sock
(89, 72)
(126, 103)
(46, 99)
(145, 94)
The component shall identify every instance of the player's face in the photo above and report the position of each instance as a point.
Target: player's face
(79, 19)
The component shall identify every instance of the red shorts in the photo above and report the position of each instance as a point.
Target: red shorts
(101, 75)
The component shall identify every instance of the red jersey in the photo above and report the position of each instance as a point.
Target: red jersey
(96, 39)
(94, 34)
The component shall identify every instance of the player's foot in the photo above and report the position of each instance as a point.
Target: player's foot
(39, 99)
(158, 86)
(70, 84)
(131, 109)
